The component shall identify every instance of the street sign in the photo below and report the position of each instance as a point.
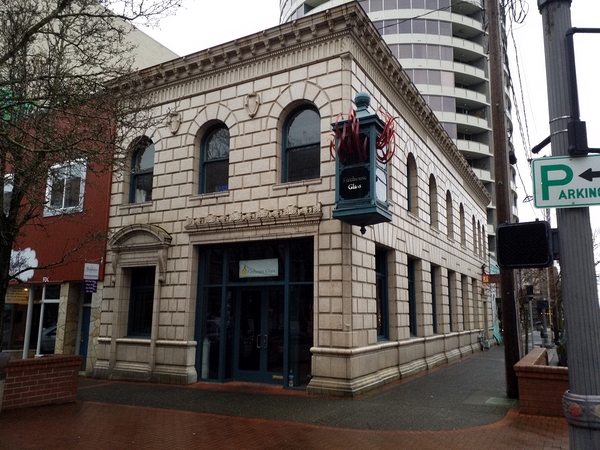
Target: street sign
(490, 278)
(566, 182)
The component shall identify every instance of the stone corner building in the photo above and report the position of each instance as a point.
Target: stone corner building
(225, 262)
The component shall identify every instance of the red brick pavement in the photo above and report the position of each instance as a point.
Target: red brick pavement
(90, 425)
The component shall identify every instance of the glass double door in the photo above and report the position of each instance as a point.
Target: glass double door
(259, 335)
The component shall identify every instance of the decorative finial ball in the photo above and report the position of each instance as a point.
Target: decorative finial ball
(362, 100)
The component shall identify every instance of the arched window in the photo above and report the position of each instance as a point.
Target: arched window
(142, 169)
(463, 232)
(475, 243)
(301, 154)
(214, 160)
(449, 216)
(411, 185)
(433, 202)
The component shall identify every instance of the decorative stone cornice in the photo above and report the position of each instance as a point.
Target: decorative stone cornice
(289, 215)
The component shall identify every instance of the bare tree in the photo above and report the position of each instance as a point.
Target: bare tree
(66, 72)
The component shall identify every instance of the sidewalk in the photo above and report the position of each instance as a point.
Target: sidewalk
(458, 406)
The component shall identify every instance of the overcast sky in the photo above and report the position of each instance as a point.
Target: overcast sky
(201, 24)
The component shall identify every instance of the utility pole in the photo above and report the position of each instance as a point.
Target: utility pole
(502, 191)
(580, 296)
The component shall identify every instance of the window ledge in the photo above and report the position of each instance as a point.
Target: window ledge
(134, 340)
(198, 197)
(128, 206)
(62, 211)
(293, 184)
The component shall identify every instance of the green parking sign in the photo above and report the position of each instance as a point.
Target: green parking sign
(566, 182)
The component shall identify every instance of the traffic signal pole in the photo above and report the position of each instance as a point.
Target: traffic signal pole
(580, 295)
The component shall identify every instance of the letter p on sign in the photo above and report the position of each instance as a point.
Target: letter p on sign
(551, 176)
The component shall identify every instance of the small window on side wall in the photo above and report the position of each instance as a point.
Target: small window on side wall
(142, 170)
(8, 189)
(302, 145)
(214, 160)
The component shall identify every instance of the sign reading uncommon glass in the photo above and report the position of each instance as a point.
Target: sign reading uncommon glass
(363, 146)
(259, 268)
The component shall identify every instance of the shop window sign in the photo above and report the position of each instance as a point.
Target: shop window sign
(259, 268)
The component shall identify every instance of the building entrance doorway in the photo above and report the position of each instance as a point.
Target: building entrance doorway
(259, 335)
(254, 314)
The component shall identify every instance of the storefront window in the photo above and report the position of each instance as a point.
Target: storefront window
(46, 342)
(301, 334)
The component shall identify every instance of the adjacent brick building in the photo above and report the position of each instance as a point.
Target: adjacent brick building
(51, 310)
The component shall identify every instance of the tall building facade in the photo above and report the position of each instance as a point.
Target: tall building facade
(443, 46)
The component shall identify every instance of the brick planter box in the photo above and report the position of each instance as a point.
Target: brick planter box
(541, 387)
(41, 381)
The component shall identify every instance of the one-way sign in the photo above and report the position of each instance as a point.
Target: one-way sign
(566, 182)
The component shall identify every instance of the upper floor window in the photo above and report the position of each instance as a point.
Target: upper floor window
(8, 188)
(474, 227)
(64, 193)
(449, 216)
(433, 202)
(142, 169)
(302, 145)
(411, 184)
(463, 232)
(214, 160)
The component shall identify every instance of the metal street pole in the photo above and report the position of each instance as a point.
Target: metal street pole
(503, 204)
(580, 296)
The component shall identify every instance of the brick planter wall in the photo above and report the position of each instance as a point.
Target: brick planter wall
(541, 387)
(41, 381)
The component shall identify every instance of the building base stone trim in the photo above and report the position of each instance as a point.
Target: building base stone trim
(123, 371)
(466, 350)
(412, 368)
(174, 375)
(352, 388)
(436, 360)
(176, 366)
(413, 356)
(453, 355)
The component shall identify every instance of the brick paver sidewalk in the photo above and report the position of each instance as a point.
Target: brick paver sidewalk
(92, 425)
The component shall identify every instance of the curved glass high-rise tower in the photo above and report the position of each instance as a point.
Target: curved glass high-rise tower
(442, 45)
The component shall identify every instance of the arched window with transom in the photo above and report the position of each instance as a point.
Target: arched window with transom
(214, 160)
(301, 156)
